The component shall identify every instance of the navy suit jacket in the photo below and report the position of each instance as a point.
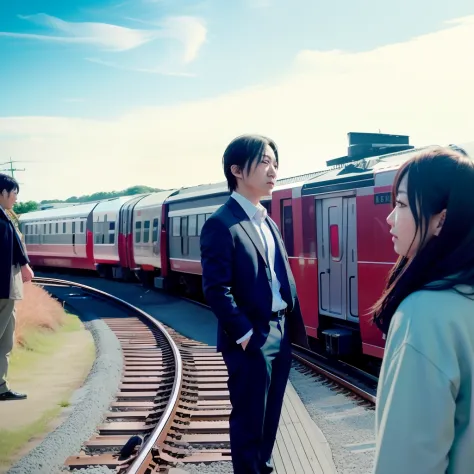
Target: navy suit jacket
(235, 282)
(11, 253)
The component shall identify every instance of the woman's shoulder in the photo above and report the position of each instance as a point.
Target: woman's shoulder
(431, 302)
(427, 318)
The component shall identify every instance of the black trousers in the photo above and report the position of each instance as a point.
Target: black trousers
(257, 382)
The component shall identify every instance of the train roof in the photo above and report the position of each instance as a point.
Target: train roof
(293, 181)
(115, 204)
(70, 212)
(356, 174)
(154, 199)
(221, 188)
(361, 173)
(193, 192)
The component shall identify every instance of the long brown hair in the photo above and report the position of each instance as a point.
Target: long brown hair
(437, 179)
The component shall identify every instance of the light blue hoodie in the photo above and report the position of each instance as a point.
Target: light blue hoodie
(425, 396)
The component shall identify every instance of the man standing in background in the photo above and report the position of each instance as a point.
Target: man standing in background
(249, 285)
(14, 270)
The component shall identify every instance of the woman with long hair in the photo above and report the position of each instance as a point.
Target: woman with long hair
(425, 396)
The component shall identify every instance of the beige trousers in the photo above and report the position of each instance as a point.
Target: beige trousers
(7, 330)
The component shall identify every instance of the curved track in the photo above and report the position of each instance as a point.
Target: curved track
(171, 389)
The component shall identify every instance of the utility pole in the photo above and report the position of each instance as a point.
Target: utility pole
(11, 169)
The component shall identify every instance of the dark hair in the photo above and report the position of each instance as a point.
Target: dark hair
(8, 184)
(438, 178)
(243, 151)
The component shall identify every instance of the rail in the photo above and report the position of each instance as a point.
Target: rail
(303, 355)
(157, 437)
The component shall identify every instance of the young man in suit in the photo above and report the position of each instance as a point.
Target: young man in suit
(14, 270)
(249, 285)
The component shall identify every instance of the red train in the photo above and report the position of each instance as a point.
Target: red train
(332, 222)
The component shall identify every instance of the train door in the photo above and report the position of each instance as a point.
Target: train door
(337, 257)
(125, 235)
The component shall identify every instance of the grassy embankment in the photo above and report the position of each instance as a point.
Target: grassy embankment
(43, 328)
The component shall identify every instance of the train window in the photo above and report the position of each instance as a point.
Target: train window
(268, 206)
(200, 224)
(146, 232)
(287, 225)
(176, 226)
(64, 227)
(155, 230)
(138, 231)
(334, 241)
(111, 232)
(44, 228)
(36, 229)
(82, 227)
(50, 228)
(73, 227)
(309, 227)
(192, 225)
(57, 228)
(184, 236)
(184, 226)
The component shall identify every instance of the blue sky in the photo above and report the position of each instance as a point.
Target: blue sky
(138, 66)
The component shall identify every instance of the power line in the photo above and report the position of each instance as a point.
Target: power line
(11, 169)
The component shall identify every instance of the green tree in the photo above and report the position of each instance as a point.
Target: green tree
(24, 207)
(99, 196)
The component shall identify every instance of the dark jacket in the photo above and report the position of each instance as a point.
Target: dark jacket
(235, 281)
(11, 253)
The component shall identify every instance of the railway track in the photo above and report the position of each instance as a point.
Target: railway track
(172, 405)
(342, 376)
(351, 379)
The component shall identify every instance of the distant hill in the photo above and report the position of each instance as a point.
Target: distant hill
(106, 195)
(23, 208)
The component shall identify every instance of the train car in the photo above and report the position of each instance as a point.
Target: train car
(187, 211)
(340, 250)
(60, 237)
(106, 224)
(148, 239)
(125, 237)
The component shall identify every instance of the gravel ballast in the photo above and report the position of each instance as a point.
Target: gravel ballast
(88, 406)
(348, 427)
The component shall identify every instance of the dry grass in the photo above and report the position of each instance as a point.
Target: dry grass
(38, 310)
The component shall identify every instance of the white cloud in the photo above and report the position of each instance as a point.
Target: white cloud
(422, 87)
(151, 70)
(189, 31)
(103, 35)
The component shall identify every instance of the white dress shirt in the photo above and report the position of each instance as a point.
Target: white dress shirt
(257, 215)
